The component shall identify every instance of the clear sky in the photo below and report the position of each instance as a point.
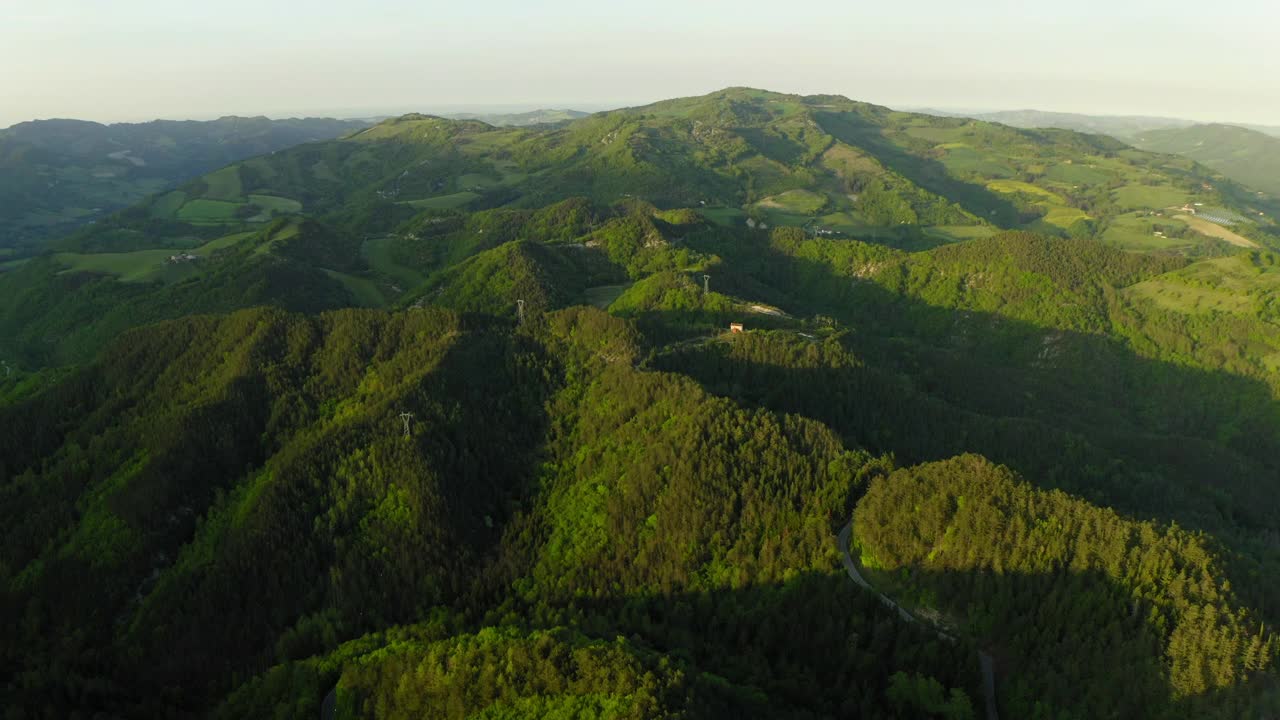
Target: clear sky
(111, 60)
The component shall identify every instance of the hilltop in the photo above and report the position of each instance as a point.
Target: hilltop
(824, 162)
(389, 207)
(445, 419)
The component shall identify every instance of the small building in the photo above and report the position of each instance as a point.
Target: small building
(735, 327)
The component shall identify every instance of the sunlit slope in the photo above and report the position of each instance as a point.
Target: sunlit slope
(825, 162)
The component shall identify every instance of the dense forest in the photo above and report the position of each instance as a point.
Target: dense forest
(378, 454)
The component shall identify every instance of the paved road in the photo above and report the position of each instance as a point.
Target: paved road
(984, 660)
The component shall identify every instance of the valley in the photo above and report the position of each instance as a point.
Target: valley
(586, 417)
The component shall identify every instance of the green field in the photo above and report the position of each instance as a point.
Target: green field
(377, 253)
(1075, 174)
(224, 184)
(797, 202)
(288, 231)
(222, 242)
(1149, 196)
(728, 217)
(510, 172)
(275, 204)
(139, 266)
(604, 295)
(1136, 231)
(478, 181)
(443, 202)
(168, 205)
(363, 290)
(1064, 217)
(208, 211)
(1229, 285)
(937, 135)
(1015, 186)
(783, 218)
(965, 160)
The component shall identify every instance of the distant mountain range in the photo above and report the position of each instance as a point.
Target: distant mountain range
(1245, 155)
(56, 175)
(1119, 126)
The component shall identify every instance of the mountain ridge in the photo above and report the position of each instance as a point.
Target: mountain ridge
(612, 391)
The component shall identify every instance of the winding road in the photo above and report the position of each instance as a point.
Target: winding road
(985, 660)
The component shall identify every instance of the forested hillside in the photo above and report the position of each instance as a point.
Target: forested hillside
(447, 420)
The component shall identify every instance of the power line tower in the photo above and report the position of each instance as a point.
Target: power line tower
(407, 418)
(706, 284)
(520, 310)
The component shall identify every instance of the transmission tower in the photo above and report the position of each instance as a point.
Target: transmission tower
(706, 284)
(520, 310)
(406, 417)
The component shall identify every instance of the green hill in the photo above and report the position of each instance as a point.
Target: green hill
(819, 161)
(1055, 456)
(56, 175)
(994, 555)
(1247, 156)
(417, 194)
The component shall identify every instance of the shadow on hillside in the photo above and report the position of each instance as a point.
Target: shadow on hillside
(348, 513)
(1075, 642)
(927, 173)
(1068, 410)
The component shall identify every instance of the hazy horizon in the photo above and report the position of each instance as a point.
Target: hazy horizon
(504, 108)
(139, 60)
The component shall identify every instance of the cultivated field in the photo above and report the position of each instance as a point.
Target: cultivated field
(1229, 285)
(1216, 231)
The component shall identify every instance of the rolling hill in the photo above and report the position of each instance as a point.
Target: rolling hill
(1244, 153)
(390, 207)
(822, 162)
(56, 175)
(447, 420)
(1246, 156)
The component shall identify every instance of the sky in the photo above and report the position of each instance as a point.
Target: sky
(131, 60)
